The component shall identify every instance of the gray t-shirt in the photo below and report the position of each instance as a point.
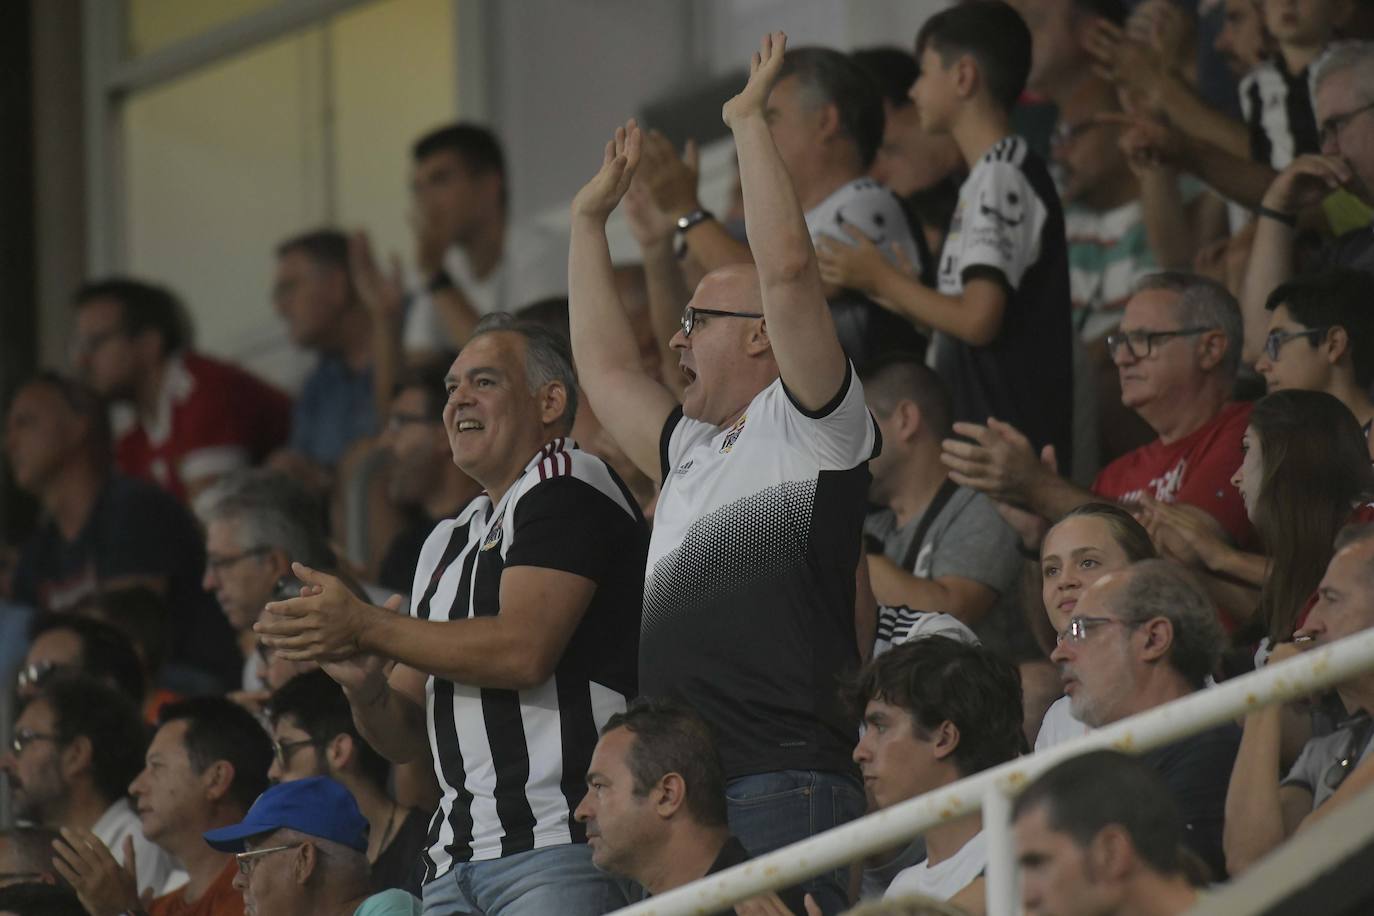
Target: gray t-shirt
(968, 539)
(1319, 755)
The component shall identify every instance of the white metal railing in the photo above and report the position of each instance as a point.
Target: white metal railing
(993, 789)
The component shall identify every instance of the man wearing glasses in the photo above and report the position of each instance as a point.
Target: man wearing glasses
(1140, 638)
(749, 597)
(1343, 99)
(77, 744)
(302, 848)
(205, 766)
(1321, 338)
(1263, 811)
(1177, 353)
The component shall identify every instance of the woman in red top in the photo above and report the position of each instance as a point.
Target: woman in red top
(1305, 474)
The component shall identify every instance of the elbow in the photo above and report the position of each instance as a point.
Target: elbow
(792, 267)
(982, 333)
(529, 671)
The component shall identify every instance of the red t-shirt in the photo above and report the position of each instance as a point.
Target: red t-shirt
(1195, 470)
(1363, 515)
(212, 418)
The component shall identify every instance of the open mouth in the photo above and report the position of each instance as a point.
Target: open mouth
(689, 374)
(467, 426)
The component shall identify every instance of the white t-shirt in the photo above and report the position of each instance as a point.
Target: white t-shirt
(533, 267)
(945, 880)
(1059, 726)
(156, 869)
(873, 210)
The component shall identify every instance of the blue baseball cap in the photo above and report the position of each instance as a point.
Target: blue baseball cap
(318, 806)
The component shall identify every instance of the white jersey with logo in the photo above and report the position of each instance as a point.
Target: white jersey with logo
(873, 210)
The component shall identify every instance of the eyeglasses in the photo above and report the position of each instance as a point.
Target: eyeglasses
(218, 565)
(246, 860)
(397, 421)
(282, 750)
(1276, 339)
(690, 315)
(1330, 129)
(23, 737)
(1079, 628)
(34, 676)
(1142, 343)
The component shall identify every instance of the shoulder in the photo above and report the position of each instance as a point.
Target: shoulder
(574, 478)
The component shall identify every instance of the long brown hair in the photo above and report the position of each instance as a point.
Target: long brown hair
(1315, 467)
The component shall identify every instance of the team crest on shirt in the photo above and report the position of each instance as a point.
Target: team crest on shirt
(494, 539)
(733, 435)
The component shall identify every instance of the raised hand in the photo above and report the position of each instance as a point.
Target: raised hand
(383, 292)
(671, 179)
(1305, 181)
(105, 887)
(326, 623)
(602, 194)
(857, 266)
(1000, 460)
(764, 68)
(1146, 140)
(430, 243)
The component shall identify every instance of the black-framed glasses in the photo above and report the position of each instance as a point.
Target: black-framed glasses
(246, 860)
(691, 313)
(1274, 340)
(1330, 129)
(23, 737)
(1079, 628)
(283, 750)
(1142, 343)
(218, 565)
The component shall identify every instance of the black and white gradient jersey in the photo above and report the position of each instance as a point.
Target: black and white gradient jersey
(512, 764)
(749, 596)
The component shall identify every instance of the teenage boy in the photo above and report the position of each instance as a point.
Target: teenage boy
(1001, 312)
(1321, 338)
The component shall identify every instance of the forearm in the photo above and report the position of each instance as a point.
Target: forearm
(386, 360)
(390, 721)
(1051, 496)
(1254, 819)
(668, 296)
(456, 312)
(602, 341)
(712, 248)
(895, 587)
(1237, 178)
(1271, 263)
(925, 307)
(1248, 568)
(778, 237)
(1167, 227)
(479, 652)
(1201, 121)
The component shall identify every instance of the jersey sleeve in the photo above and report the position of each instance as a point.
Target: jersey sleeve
(841, 434)
(1002, 223)
(568, 525)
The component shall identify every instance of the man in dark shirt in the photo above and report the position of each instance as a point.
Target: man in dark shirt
(1141, 638)
(102, 531)
(655, 803)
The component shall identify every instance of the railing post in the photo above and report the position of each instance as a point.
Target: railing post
(1001, 873)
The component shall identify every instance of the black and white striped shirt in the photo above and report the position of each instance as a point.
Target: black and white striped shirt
(512, 764)
(1277, 107)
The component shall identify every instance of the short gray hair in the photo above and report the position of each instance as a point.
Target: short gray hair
(1356, 534)
(548, 357)
(341, 867)
(1203, 303)
(1341, 56)
(272, 510)
(1161, 588)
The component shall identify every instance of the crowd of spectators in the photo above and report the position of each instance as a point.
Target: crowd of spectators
(1046, 402)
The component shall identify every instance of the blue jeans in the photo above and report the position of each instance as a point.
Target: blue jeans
(770, 810)
(556, 879)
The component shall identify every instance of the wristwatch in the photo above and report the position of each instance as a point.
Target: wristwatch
(691, 219)
(685, 223)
